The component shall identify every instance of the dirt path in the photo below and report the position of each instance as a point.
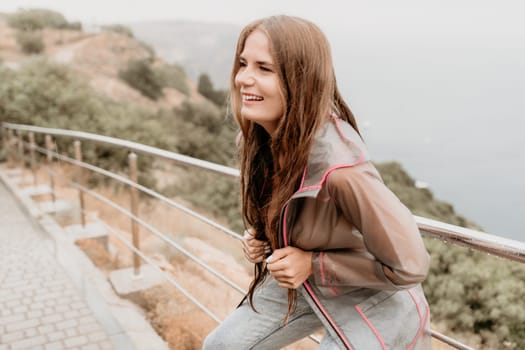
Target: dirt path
(66, 53)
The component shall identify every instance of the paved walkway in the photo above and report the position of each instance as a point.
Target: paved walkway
(40, 307)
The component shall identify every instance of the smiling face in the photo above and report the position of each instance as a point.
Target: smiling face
(258, 83)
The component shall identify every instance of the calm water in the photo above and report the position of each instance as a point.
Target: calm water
(452, 113)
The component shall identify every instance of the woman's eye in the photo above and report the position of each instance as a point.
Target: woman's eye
(266, 69)
(242, 64)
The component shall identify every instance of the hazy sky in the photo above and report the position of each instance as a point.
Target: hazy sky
(437, 80)
(461, 17)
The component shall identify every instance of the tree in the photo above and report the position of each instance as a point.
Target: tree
(30, 42)
(206, 89)
(35, 19)
(139, 75)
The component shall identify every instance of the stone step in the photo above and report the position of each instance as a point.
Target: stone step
(38, 190)
(57, 206)
(94, 229)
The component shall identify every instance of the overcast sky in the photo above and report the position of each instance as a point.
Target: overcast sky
(458, 17)
(448, 71)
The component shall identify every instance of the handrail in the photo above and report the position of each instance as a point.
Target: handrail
(493, 244)
(485, 242)
(135, 146)
(144, 189)
(499, 246)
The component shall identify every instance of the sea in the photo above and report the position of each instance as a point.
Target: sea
(452, 113)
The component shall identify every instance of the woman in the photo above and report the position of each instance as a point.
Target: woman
(346, 255)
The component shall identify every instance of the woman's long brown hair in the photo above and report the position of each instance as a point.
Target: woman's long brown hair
(272, 165)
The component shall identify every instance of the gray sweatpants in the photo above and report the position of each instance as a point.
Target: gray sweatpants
(245, 329)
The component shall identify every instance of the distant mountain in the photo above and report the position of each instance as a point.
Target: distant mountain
(199, 47)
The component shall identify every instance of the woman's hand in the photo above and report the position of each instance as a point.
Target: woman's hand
(290, 266)
(254, 250)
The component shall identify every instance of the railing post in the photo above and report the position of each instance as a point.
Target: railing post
(134, 197)
(5, 140)
(10, 149)
(32, 156)
(78, 157)
(49, 157)
(20, 143)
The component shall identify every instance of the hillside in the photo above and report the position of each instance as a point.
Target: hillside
(97, 57)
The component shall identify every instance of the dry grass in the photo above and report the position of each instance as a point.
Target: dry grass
(97, 253)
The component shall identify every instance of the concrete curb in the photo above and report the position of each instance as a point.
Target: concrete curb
(123, 321)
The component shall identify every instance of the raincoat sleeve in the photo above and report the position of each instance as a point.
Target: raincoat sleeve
(394, 256)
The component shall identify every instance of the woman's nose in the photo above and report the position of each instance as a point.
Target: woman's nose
(244, 77)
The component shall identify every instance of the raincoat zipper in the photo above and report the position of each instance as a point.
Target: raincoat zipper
(308, 288)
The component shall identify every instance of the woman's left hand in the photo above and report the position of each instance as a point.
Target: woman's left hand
(290, 266)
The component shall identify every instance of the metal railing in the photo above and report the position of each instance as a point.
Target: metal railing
(14, 143)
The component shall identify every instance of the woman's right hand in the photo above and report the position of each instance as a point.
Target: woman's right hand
(254, 250)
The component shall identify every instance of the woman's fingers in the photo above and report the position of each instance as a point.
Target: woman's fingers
(290, 266)
(253, 258)
(254, 249)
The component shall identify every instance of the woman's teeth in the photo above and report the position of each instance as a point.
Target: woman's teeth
(251, 98)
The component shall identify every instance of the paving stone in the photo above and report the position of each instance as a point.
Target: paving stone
(61, 308)
(37, 306)
(35, 314)
(11, 319)
(57, 335)
(97, 336)
(78, 305)
(20, 309)
(55, 346)
(49, 311)
(40, 308)
(22, 325)
(31, 332)
(89, 347)
(46, 329)
(76, 341)
(5, 311)
(11, 337)
(30, 343)
(71, 332)
(88, 328)
(54, 318)
(66, 324)
(106, 345)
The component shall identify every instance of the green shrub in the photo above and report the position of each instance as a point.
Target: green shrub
(30, 42)
(148, 48)
(119, 28)
(173, 75)
(140, 75)
(474, 294)
(206, 89)
(35, 19)
(50, 95)
(419, 201)
(73, 26)
(203, 131)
